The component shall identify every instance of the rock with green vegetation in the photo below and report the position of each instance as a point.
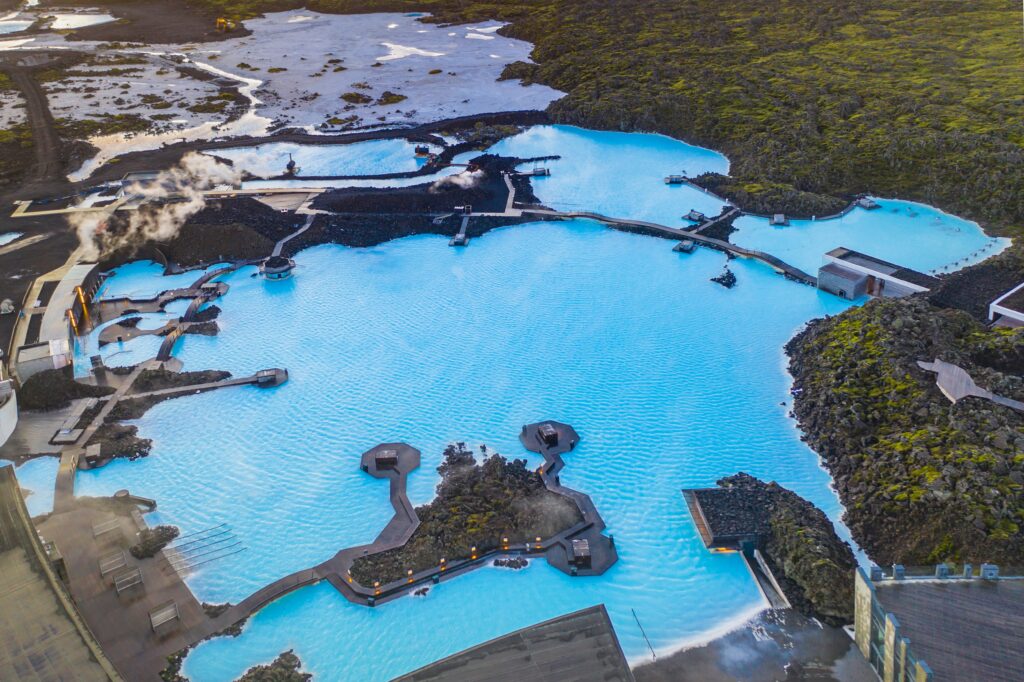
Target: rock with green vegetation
(813, 566)
(356, 98)
(771, 197)
(922, 480)
(476, 506)
(909, 98)
(152, 540)
(389, 97)
(53, 389)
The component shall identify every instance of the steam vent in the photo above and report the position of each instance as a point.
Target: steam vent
(277, 267)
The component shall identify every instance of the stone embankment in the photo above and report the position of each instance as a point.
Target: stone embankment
(923, 480)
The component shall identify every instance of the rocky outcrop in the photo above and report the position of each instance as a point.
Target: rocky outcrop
(923, 480)
(476, 506)
(53, 389)
(813, 566)
(285, 668)
(766, 198)
(152, 540)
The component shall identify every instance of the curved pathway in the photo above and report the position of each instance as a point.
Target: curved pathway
(558, 550)
(776, 264)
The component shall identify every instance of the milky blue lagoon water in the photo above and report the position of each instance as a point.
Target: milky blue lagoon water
(672, 381)
(374, 157)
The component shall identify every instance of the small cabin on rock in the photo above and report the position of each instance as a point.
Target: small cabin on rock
(581, 552)
(695, 216)
(852, 274)
(779, 219)
(548, 434)
(386, 459)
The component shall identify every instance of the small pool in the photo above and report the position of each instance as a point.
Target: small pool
(375, 157)
(63, 21)
(8, 237)
(37, 476)
(13, 26)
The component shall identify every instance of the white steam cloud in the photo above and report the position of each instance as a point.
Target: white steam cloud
(167, 202)
(465, 180)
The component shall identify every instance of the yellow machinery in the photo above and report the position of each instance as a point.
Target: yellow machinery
(225, 25)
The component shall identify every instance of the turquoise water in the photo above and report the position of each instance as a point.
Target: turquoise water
(910, 234)
(8, 237)
(672, 381)
(37, 475)
(375, 157)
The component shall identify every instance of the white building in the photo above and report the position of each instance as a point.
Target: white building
(1008, 309)
(852, 274)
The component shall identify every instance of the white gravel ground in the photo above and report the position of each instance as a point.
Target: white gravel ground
(311, 46)
(12, 108)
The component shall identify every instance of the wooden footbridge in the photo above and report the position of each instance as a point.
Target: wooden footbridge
(771, 261)
(558, 550)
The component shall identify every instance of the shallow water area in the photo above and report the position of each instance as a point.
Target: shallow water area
(13, 25)
(375, 157)
(37, 475)
(671, 380)
(8, 237)
(909, 234)
(67, 20)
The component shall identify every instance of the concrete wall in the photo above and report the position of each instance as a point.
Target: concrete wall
(840, 286)
(8, 411)
(863, 594)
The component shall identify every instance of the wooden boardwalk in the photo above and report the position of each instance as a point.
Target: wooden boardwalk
(776, 264)
(557, 550)
(731, 213)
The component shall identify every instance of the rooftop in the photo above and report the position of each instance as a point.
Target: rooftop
(883, 267)
(963, 629)
(1014, 300)
(732, 511)
(839, 271)
(576, 647)
(41, 634)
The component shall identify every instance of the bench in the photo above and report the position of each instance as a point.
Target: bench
(113, 562)
(130, 578)
(163, 614)
(105, 527)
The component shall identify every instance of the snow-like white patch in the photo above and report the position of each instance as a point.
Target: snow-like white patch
(68, 20)
(479, 36)
(12, 44)
(297, 64)
(401, 51)
(12, 108)
(392, 25)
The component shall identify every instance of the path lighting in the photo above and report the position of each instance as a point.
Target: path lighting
(538, 542)
(472, 552)
(409, 573)
(376, 587)
(443, 566)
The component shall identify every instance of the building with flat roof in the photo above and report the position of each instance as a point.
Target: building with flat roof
(1008, 309)
(931, 628)
(576, 647)
(42, 635)
(852, 274)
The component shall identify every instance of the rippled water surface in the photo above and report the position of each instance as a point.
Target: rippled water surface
(672, 381)
(375, 157)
